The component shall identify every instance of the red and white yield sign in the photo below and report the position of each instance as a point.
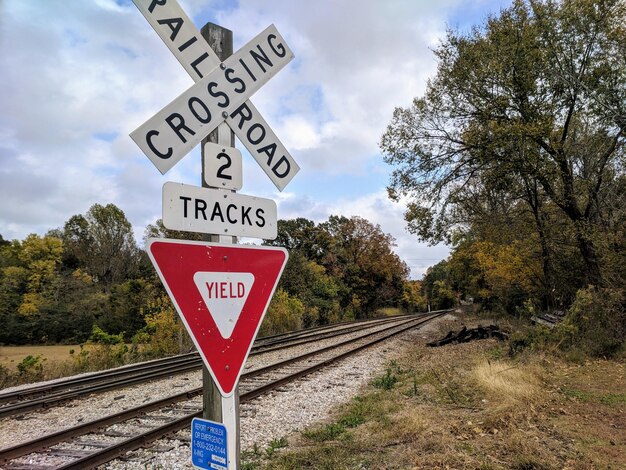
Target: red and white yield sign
(221, 292)
(220, 94)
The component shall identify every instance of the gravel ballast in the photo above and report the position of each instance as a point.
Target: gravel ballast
(276, 415)
(294, 408)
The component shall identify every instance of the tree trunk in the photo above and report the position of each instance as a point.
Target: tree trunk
(547, 296)
(589, 253)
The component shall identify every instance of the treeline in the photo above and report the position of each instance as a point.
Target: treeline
(338, 270)
(515, 155)
(89, 279)
(55, 288)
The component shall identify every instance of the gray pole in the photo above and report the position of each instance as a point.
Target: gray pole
(221, 41)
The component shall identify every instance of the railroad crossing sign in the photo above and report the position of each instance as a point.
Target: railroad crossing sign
(221, 293)
(220, 94)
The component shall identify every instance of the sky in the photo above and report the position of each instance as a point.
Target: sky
(77, 77)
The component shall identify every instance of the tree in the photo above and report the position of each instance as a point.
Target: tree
(308, 281)
(498, 276)
(102, 242)
(283, 314)
(158, 230)
(360, 255)
(412, 298)
(437, 288)
(341, 268)
(535, 97)
(39, 300)
(304, 236)
(41, 257)
(127, 304)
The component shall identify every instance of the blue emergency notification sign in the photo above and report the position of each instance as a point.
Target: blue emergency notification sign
(208, 445)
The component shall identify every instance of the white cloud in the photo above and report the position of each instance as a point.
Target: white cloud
(78, 77)
(355, 61)
(298, 134)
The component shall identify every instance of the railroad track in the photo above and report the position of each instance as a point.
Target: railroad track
(46, 395)
(100, 441)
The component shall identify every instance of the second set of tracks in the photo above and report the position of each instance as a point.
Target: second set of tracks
(102, 440)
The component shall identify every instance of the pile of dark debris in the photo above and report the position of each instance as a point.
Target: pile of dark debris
(469, 334)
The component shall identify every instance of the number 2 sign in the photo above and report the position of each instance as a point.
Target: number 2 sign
(222, 166)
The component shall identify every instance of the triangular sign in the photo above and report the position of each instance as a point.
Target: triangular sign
(221, 293)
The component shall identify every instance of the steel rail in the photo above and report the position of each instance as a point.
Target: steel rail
(60, 436)
(117, 379)
(93, 377)
(261, 343)
(64, 435)
(314, 368)
(108, 454)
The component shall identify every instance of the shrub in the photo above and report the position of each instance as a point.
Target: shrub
(536, 339)
(284, 314)
(105, 350)
(595, 323)
(99, 336)
(386, 382)
(164, 333)
(6, 377)
(30, 365)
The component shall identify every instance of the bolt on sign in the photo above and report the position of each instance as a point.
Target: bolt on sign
(221, 94)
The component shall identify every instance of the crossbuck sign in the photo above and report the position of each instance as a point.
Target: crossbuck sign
(220, 94)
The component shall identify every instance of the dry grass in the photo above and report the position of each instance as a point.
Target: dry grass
(27, 364)
(466, 407)
(10, 356)
(506, 382)
(389, 312)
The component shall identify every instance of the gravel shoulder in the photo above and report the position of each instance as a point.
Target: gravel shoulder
(285, 413)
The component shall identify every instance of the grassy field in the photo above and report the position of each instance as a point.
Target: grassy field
(469, 406)
(10, 356)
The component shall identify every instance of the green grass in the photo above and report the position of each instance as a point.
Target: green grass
(613, 399)
(386, 382)
(274, 445)
(353, 418)
(320, 457)
(577, 394)
(330, 432)
(609, 399)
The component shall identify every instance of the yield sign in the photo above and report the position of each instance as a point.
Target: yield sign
(221, 293)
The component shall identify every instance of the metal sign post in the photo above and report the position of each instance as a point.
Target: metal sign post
(215, 406)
